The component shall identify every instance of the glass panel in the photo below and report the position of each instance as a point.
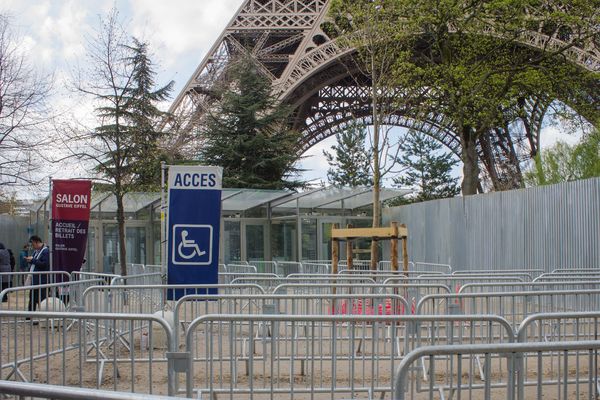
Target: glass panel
(156, 242)
(231, 241)
(135, 243)
(283, 243)
(110, 247)
(326, 240)
(90, 263)
(309, 239)
(255, 242)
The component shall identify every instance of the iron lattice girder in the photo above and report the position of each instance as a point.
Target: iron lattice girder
(285, 37)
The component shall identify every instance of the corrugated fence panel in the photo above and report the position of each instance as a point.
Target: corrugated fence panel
(13, 232)
(547, 227)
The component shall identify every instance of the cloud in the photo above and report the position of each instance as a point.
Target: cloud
(181, 27)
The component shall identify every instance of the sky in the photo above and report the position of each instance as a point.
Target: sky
(180, 33)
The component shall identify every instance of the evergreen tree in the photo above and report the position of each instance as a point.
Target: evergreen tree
(248, 134)
(124, 147)
(427, 169)
(145, 117)
(350, 162)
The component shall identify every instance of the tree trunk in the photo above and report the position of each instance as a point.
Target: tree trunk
(376, 171)
(121, 227)
(470, 159)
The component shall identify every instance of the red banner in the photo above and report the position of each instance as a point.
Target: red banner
(71, 202)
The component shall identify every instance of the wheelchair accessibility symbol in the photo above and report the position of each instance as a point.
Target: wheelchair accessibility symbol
(192, 244)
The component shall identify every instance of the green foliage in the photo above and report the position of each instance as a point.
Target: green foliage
(448, 66)
(131, 156)
(350, 162)
(248, 134)
(427, 169)
(564, 163)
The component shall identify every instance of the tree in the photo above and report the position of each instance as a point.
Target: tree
(248, 134)
(22, 110)
(125, 143)
(564, 163)
(469, 58)
(427, 168)
(350, 163)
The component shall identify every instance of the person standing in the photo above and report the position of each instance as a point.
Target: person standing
(39, 261)
(7, 264)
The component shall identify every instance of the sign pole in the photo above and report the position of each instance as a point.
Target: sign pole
(163, 206)
(50, 251)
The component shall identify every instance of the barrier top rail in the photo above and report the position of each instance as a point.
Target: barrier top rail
(115, 280)
(448, 279)
(523, 286)
(535, 272)
(401, 378)
(530, 320)
(580, 270)
(387, 273)
(63, 273)
(446, 268)
(39, 390)
(517, 274)
(350, 318)
(458, 297)
(171, 287)
(6, 291)
(94, 274)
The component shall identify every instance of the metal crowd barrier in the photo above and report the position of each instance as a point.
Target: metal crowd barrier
(58, 296)
(565, 277)
(53, 392)
(562, 370)
(554, 327)
(523, 275)
(228, 277)
(267, 355)
(80, 349)
(528, 286)
(82, 275)
(514, 306)
(285, 268)
(189, 308)
(240, 269)
(262, 267)
(15, 279)
(153, 278)
(577, 270)
(136, 269)
(531, 272)
(423, 266)
(454, 282)
(148, 299)
(316, 268)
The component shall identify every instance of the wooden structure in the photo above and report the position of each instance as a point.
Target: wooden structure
(392, 233)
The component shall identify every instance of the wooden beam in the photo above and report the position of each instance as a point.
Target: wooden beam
(394, 247)
(380, 233)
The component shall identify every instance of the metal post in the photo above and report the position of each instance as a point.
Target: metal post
(394, 247)
(50, 252)
(163, 255)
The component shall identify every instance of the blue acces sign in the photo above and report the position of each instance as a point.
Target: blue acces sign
(193, 226)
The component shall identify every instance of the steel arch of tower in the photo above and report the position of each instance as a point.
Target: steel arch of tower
(306, 66)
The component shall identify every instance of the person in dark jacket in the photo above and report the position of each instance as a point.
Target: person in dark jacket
(7, 264)
(39, 261)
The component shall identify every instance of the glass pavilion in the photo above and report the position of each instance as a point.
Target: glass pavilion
(256, 225)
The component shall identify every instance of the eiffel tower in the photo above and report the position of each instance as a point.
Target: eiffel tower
(310, 70)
